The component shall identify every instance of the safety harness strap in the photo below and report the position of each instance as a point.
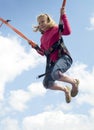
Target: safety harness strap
(6, 22)
(59, 45)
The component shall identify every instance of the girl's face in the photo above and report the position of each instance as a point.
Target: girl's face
(43, 23)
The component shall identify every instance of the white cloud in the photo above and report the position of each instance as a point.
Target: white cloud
(9, 124)
(14, 60)
(36, 89)
(86, 87)
(57, 120)
(18, 98)
(91, 112)
(91, 24)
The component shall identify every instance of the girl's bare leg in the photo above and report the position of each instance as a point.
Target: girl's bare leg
(65, 89)
(72, 81)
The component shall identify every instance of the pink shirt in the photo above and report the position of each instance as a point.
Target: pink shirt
(51, 36)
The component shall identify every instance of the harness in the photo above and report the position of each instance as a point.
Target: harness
(62, 50)
(60, 46)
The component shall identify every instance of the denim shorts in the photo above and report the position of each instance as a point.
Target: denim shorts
(62, 64)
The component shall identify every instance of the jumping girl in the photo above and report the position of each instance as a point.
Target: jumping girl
(58, 56)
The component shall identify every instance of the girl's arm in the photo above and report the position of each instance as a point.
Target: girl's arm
(66, 25)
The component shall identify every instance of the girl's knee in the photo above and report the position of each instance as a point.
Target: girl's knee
(48, 84)
(45, 84)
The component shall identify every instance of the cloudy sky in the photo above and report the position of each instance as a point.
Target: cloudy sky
(24, 103)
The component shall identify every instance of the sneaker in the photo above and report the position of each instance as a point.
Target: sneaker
(74, 90)
(67, 94)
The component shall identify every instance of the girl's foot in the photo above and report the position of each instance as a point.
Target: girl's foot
(74, 90)
(67, 94)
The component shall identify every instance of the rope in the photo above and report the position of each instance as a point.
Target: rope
(17, 31)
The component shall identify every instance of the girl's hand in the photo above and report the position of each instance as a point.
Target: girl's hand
(62, 11)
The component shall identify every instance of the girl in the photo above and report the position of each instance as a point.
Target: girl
(58, 57)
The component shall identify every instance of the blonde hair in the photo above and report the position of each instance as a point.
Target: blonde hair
(51, 22)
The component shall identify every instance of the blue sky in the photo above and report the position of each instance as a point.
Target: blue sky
(24, 103)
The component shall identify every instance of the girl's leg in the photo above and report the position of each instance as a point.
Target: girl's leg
(58, 73)
(64, 89)
(49, 83)
(72, 81)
